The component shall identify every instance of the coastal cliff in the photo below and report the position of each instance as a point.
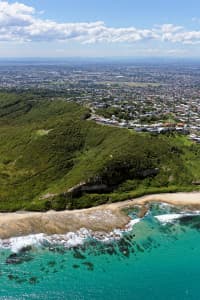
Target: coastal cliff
(53, 158)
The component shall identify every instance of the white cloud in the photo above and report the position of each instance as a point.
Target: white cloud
(177, 34)
(21, 23)
(16, 14)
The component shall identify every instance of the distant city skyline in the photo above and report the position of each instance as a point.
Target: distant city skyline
(91, 28)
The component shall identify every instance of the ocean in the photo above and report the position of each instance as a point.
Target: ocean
(157, 258)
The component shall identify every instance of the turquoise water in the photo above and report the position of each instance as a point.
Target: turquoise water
(152, 261)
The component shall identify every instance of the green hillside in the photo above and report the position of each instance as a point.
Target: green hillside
(47, 147)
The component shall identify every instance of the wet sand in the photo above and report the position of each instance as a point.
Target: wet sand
(104, 218)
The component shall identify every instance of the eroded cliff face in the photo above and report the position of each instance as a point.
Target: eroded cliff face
(81, 188)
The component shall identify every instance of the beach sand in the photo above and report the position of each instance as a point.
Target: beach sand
(104, 218)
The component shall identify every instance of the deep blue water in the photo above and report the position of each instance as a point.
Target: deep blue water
(152, 261)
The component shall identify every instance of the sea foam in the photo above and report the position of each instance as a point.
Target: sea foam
(169, 218)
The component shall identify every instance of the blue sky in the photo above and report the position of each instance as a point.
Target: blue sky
(119, 12)
(62, 28)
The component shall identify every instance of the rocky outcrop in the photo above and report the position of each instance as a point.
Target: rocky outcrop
(83, 187)
(196, 182)
(148, 173)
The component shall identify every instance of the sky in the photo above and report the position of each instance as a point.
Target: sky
(100, 28)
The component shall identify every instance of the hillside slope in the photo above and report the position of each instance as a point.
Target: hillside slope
(51, 157)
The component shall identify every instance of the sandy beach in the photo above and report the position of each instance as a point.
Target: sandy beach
(103, 218)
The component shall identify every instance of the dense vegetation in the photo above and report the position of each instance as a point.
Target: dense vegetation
(47, 147)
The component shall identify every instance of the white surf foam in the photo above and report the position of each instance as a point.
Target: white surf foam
(132, 223)
(16, 244)
(68, 240)
(169, 218)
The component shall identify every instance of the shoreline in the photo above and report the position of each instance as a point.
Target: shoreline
(105, 218)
